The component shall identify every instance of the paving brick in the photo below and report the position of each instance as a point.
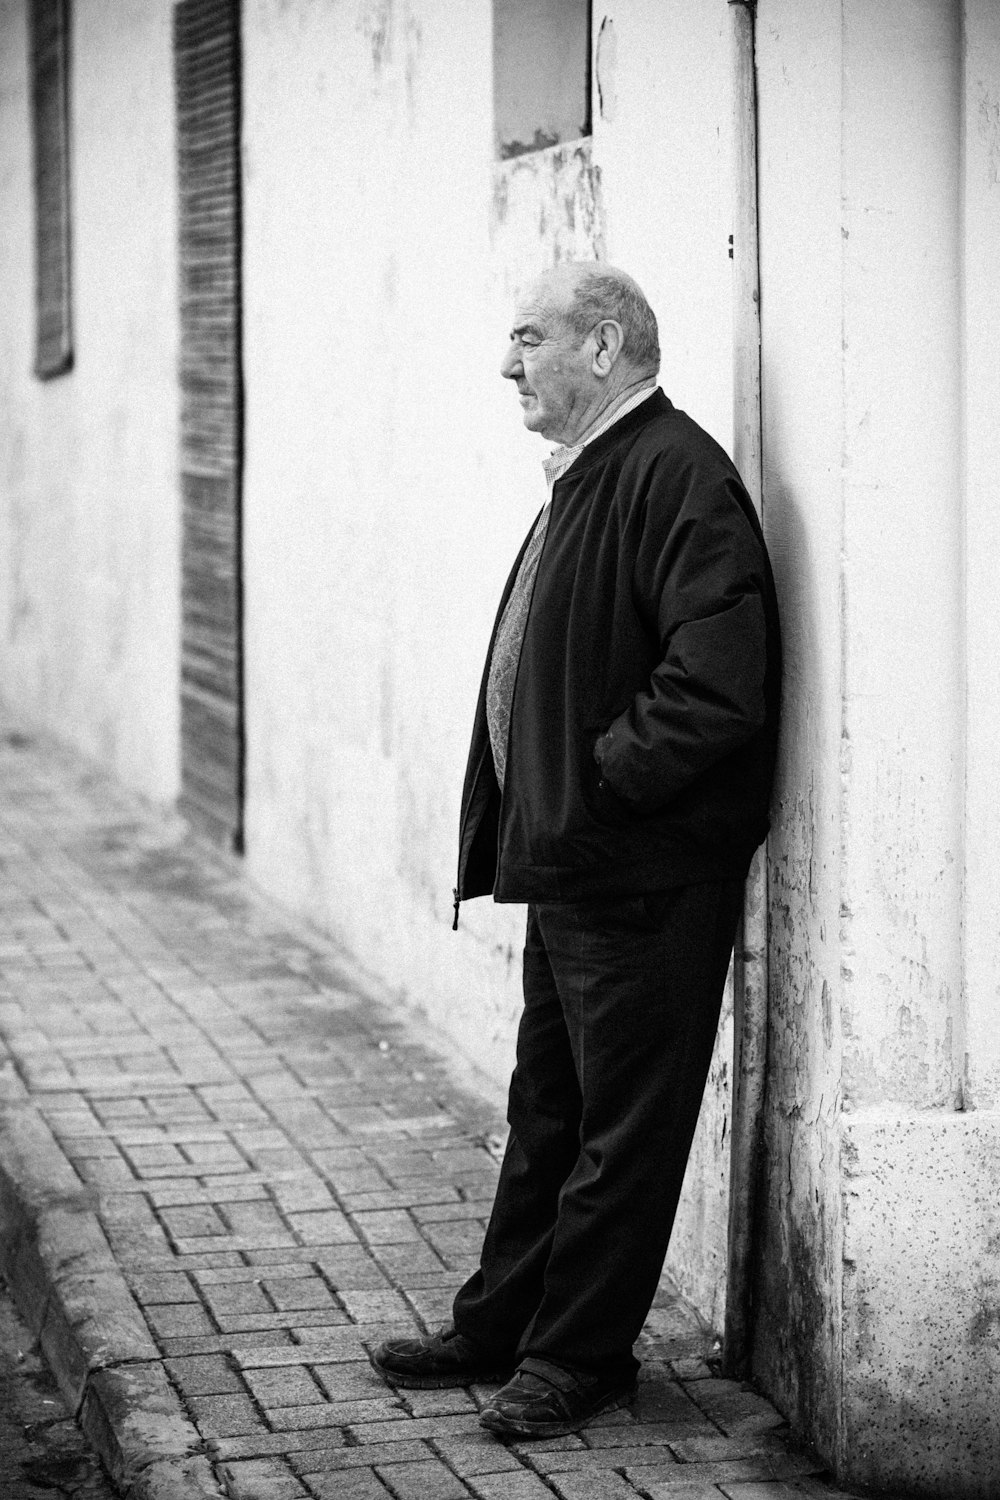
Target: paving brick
(432, 1304)
(296, 1318)
(205, 1375)
(456, 1241)
(392, 1198)
(409, 1264)
(430, 1480)
(224, 1416)
(252, 1219)
(215, 1154)
(521, 1485)
(209, 1260)
(325, 1227)
(238, 1244)
(262, 1479)
(428, 1210)
(382, 1306)
(389, 1227)
(349, 1382)
(303, 1192)
(599, 1486)
(406, 1428)
(708, 1447)
(350, 1267)
(642, 1434)
(762, 1489)
(163, 1286)
(737, 1409)
(240, 1271)
(291, 1292)
(325, 1346)
(661, 1482)
(377, 1409)
(686, 1484)
(476, 1452)
(290, 1386)
(179, 1320)
(437, 1403)
(237, 1297)
(195, 1221)
(354, 1484)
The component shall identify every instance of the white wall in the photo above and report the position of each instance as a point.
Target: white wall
(89, 526)
(799, 80)
(981, 393)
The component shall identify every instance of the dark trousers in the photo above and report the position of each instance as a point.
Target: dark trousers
(621, 1007)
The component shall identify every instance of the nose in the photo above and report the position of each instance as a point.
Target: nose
(510, 365)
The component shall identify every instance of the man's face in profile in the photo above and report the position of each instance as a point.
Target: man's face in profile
(549, 365)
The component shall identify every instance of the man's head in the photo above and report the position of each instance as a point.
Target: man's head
(583, 336)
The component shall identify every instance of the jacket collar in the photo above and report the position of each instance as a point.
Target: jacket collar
(595, 451)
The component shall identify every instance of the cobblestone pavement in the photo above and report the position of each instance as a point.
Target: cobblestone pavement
(240, 1172)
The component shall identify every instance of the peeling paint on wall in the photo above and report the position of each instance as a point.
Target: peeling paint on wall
(547, 207)
(988, 120)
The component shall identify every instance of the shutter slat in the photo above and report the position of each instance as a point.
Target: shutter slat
(206, 53)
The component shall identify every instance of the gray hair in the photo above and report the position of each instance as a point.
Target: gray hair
(602, 291)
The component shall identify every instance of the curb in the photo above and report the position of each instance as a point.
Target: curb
(69, 1290)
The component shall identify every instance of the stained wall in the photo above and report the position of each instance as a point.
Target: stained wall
(89, 515)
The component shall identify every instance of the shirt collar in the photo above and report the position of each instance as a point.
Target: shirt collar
(560, 459)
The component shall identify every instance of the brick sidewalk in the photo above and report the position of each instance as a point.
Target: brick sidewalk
(283, 1174)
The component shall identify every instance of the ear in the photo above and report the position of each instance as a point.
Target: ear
(608, 340)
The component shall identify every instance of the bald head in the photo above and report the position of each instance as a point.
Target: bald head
(587, 292)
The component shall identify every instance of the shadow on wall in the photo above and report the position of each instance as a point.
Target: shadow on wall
(796, 1246)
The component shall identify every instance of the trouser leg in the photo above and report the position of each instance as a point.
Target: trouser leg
(640, 983)
(499, 1302)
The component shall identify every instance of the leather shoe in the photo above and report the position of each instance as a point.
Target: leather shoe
(545, 1401)
(435, 1361)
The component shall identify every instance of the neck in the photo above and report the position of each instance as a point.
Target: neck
(590, 421)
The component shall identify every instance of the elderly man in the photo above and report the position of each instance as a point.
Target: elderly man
(618, 783)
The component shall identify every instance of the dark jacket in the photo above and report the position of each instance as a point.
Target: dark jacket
(645, 714)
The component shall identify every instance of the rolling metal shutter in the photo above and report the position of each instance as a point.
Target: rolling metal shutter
(207, 77)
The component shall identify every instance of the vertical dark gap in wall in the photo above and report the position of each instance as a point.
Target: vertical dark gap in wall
(588, 98)
(49, 70)
(207, 83)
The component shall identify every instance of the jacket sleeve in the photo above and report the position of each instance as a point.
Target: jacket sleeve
(701, 588)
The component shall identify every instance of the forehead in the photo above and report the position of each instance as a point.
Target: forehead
(540, 307)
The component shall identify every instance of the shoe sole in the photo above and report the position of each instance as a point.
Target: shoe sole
(496, 1422)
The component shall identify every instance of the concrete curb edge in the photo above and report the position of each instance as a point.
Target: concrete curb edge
(76, 1302)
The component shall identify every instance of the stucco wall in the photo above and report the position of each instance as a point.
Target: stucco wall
(981, 394)
(878, 1282)
(89, 523)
